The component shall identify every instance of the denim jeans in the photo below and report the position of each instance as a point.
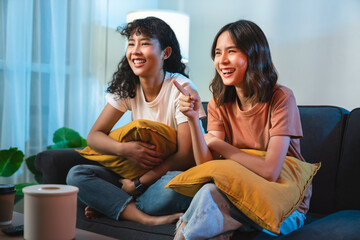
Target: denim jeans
(212, 216)
(100, 189)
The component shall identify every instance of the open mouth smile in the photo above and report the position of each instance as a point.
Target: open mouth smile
(138, 61)
(227, 71)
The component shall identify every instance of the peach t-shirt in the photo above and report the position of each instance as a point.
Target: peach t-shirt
(253, 128)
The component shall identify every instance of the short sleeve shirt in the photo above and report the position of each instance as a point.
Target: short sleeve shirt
(253, 128)
(164, 108)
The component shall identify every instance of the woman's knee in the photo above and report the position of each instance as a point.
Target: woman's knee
(75, 173)
(208, 192)
(208, 188)
(158, 200)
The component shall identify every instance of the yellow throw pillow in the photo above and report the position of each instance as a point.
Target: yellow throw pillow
(266, 203)
(158, 134)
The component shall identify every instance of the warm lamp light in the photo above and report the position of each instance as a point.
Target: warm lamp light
(178, 21)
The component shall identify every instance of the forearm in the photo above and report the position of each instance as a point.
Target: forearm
(102, 143)
(176, 162)
(201, 151)
(254, 163)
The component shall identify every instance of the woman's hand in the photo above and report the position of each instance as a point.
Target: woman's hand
(141, 153)
(189, 105)
(128, 186)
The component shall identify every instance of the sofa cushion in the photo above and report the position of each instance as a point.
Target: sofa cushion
(323, 127)
(347, 189)
(266, 203)
(162, 136)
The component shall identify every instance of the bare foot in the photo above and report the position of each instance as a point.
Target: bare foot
(92, 213)
(178, 234)
(167, 219)
(132, 213)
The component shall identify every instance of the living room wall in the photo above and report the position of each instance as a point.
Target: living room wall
(314, 44)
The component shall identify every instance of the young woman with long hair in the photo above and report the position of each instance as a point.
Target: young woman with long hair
(143, 85)
(252, 111)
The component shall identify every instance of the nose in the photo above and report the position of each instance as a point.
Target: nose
(224, 58)
(135, 49)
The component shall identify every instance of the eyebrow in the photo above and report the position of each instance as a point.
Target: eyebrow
(142, 39)
(227, 48)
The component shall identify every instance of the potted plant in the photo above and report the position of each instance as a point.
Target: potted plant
(12, 158)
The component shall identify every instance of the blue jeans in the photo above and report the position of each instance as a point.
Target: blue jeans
(212, 216)
(100, 189)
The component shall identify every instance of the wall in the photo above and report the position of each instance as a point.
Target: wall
(115, 48)
(315, 44)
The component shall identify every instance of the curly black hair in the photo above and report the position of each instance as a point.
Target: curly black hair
(124, 81)
(260, 76)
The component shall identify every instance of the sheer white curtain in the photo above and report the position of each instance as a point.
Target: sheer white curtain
(52, 67)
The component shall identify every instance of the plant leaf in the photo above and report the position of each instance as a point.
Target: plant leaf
(30, 163)
(10, 161)
(18, 198)
(19, 187)
(62, 144)
(83, 142)
(68, 136)
(39, 178)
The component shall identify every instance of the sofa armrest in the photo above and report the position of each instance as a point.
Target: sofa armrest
(339, 225)
(55, 164)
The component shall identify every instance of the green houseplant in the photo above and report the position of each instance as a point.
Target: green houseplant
(11, 159)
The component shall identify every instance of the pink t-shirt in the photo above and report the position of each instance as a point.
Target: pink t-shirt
(253, 128)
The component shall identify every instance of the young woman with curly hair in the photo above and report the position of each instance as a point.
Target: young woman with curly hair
(143, 85)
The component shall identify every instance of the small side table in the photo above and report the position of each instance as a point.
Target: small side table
(18, 219)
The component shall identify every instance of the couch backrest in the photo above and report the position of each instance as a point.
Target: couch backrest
(332, 137)
(323, 128)
(204, 120)
(348, 178)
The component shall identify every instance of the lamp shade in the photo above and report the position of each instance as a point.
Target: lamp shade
(178, 21)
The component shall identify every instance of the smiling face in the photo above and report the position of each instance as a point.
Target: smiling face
(229, 61)
(144, 55)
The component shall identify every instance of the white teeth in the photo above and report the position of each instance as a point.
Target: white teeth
(138, 61)
(227, 71)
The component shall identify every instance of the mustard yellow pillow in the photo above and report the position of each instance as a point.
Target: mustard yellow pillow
(266, 203)
(158, 134)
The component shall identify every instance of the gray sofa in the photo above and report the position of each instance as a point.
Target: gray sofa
(331, 136)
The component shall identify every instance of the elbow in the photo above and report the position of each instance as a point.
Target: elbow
(271, 179)
(271, 176)
(89, 141)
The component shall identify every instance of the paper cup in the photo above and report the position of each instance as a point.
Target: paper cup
(7, 198)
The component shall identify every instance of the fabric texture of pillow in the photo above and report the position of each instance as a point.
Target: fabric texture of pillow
(266, 203)
(161, 135)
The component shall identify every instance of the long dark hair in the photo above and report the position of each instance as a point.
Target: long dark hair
(260, 76)
(124, 81)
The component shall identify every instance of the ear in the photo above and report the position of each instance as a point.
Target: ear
(166, 53)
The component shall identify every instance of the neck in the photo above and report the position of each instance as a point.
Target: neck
(245, 103)
(152, 85)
